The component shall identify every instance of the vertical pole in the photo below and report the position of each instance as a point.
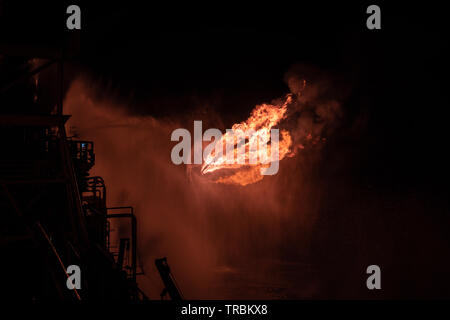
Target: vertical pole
(134, 249)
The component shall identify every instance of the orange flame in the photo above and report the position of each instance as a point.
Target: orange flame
(257, 129)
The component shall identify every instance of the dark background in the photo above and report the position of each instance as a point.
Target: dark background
(163, 59)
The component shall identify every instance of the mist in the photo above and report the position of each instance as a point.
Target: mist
(221, 241)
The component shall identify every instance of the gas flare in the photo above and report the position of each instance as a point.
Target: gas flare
(257, 129)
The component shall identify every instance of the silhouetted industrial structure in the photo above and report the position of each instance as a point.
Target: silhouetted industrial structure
(170, 285)
(53, 213)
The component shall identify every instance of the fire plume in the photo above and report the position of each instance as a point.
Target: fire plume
(257, 129)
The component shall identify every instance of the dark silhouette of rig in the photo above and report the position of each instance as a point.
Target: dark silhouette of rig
(53, 214)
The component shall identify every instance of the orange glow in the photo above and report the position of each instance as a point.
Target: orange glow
(258, 126)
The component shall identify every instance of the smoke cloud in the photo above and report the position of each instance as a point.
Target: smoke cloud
(222, 241)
